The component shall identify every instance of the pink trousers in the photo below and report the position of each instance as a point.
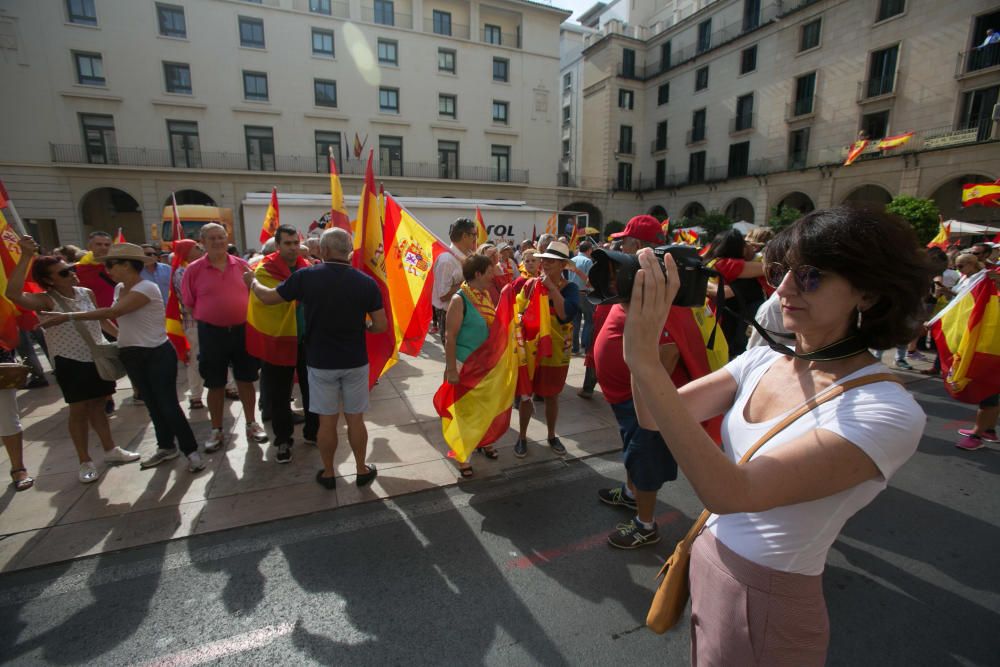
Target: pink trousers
(747, 614)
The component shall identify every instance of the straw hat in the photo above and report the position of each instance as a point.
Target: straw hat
(127, 251)
(556, 250)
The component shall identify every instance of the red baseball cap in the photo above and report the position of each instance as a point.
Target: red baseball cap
(643, 227)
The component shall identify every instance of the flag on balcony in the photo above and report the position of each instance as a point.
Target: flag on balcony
(552, 224)
(411, 251)
(856, 150)
(981, 194)
(176, 228)
(967, 333)
(369, 258)
(338, 212)
(120, 238)
(175, 319)
(271, 219)
(894, 141)
(481, 235)
(359, 146)
(941, 240)
(476, 411)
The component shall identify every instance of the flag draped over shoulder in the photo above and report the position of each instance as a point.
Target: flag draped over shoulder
(856, 150)
(981, 194)
(476, 411)
(411, 251)
(481, 235)
(338, 212)
(369, 258)
(967, 333)
(271, 219)
(175, 319)
(272, 331)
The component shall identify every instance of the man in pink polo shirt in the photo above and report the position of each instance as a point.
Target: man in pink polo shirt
(214, 293)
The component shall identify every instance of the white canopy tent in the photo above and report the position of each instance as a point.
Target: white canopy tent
(971, 228)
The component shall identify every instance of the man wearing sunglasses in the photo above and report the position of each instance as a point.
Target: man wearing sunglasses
(156, 272)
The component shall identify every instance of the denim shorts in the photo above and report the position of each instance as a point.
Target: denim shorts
(647, 460)
(222, 347)
(329, 388)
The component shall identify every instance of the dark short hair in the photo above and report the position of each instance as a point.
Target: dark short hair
(728, 244)
(285, 229)
(460, 228)
(150, 246)
(584, 246)
(988, 248)
(876, 252)
(473, 265)
(98, 233)
(40, 269)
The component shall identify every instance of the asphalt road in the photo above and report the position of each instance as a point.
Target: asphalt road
(513, 570)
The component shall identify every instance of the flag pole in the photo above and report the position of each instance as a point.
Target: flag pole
(14, 216)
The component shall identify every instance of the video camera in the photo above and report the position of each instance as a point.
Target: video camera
(613, 275)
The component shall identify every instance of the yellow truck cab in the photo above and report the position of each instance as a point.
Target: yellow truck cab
(193, 218)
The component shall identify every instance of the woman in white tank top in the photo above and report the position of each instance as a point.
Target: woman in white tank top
(83, 389)
(847, 279)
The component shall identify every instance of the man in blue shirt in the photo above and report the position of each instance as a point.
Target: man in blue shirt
(156, 271)
(583, 263)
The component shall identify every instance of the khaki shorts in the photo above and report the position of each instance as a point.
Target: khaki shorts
(329, 388)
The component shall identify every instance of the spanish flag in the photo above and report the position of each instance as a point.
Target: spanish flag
(338, 212)
(543, 342)
(552, 224)
(411, 251)
(481, 235)
(175, 319)
(856, 150)
(176, 228)
(894, 141)
(476, 411)
(687, 236)
(369, 258)
(121, 237)
(967, 333)
(10, 253)
(981, 194)
(271, 219)
(574, 238)
(941, 240)
(272, 331)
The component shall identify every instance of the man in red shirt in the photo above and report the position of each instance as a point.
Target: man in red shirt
(214, 293)
(92, 272)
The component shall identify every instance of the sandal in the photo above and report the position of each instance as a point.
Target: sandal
(232, 394)
(21, 484)
(196, 404)
(466, 472)
(489, 452)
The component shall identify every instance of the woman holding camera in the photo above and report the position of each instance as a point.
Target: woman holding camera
(848, 279)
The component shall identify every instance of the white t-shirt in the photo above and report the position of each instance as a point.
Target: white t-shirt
(882, 419)
(447, 270)
(146, 326)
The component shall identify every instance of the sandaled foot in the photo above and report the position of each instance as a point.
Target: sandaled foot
(19, 481)
(466, 472)
(489, 452)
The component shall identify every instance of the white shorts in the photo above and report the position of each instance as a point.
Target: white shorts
(10, 423)
(331, 387)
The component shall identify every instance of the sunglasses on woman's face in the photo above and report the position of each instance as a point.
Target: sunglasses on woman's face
(64, 273)
(807, 278)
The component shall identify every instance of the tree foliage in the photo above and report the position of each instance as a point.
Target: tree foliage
(922, 214)
(613, 227)
(782, 216)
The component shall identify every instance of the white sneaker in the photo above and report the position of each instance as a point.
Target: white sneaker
(88, 472)
(119, 455)
(196, 462)
(215, 441)
(256, 433)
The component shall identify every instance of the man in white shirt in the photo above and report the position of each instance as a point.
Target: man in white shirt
(448, 268)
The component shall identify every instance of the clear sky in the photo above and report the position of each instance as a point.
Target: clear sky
(578, 6)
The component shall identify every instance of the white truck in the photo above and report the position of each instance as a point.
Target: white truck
(511, 221)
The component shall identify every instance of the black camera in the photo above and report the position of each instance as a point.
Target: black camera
(613, 275)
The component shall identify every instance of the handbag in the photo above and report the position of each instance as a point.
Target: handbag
(672, 593)
(13, 375)
(109, 365)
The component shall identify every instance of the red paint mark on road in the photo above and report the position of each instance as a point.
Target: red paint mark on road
(592, 542)
(220, 649)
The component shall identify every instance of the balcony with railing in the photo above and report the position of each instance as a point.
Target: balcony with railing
(741, 123)
(509, 39)
(448, 30)
(626, 148)
(396, 19)
(978, 59)
(877, 88)
(658, 145)
(696, 135)
(161, 158)
(633, 72)
(802, 108)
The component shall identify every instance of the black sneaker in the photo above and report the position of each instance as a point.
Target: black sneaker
(557, 447)
(632, 536)
(616, 496)
(284, 454)
(521, 448)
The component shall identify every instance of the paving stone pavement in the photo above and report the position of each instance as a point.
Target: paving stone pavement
(61, 519)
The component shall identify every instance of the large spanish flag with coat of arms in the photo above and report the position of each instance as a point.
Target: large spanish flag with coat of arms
(967, 333)
(476, 411)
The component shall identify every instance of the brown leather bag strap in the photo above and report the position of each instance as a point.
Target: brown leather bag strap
(814, 402)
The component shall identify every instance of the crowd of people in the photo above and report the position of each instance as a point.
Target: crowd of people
(835, 286)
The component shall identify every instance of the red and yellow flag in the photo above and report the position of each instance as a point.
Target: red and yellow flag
(120, 238)
(688, 236)
(369, 258)
(338, 212)
(941, 240)
(476, 411)
(856, 150)
(409, 259)
(481, 235)
(271, 219)
(967, 333)
(981, 194)
(174, 317)
(894, 141)
(272, 331)
(10, 253)
(552, 224)
(176, 228)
